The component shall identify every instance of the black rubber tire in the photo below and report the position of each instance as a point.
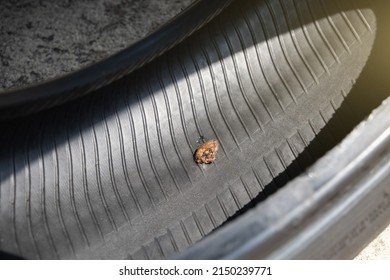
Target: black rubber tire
(112, 175)
(331, 212)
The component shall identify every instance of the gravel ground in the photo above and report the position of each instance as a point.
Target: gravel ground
(42, 39)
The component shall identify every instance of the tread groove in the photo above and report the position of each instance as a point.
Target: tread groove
(212, 219)
(258, 179)
(269, 168)
(28, 200)
(272, 55)
(302, 138)
(250, 70)
(179, 101)
(296, 43)
(261, 62)
(236, 71)
(236, 201)
(295, 153)
(148, 147)
(321, 33)
(98, 175)
(172, 239)
(205, 101)
(71, 188)
(348, 22)
(190, 92)
(58, 200)
(42, 184)
(171, 126)
(158, 245)
(249, 193)
(85, 181)
(283, 49)
(225, 76)
(160, 138)
(111, 166)
(145, 252)
(198, 224)
(217, 94)
(306, 33)
(223, 207)
(181, 109)
(135, 152)
(187, 236)
(334, 27)
(278, 154)
(124, 163)
(13, 202)
(364, 20)
(315, 133)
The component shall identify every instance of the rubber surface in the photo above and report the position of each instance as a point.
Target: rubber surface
(112, 175)
(331, 212)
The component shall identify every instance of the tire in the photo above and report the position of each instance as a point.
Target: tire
(112, 175)
(331, 212)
